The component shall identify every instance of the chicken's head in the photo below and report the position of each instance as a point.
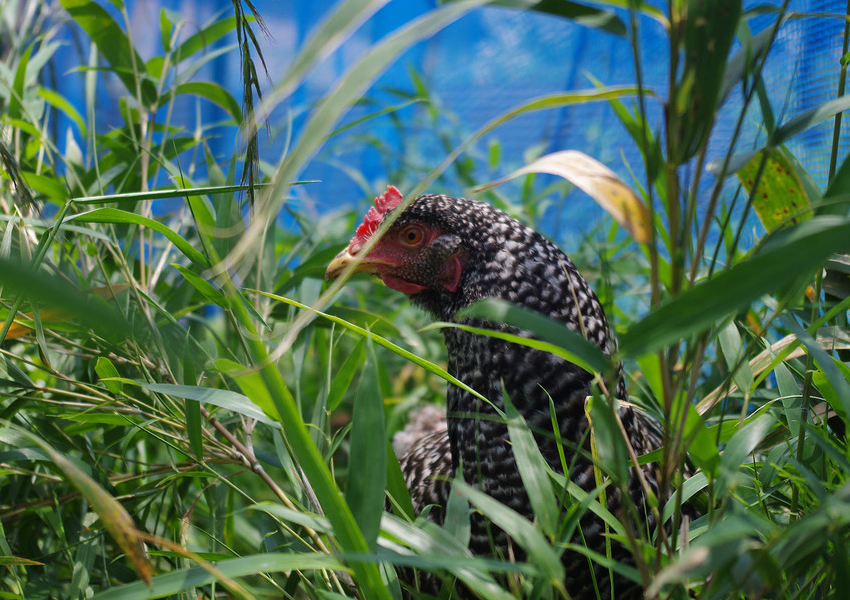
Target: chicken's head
(414, 255)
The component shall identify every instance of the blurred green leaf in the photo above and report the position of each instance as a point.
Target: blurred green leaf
(54, 291)
(162, 194)
(563, 341)
(73, 152)
(194, 428)
(367, 475)
(744, 59)
(533, 470)
(326, 37)
(207, 290)
(192, 408)
(702, 449)
(433, 368)
(642, 8)
(457, 515)
(315, 522)
(836, 375)
(736, 357)
(441, 550)
(690, 488)
(51, 187)
(186, 580)
(106, 370)
(742, 444)
(58, 101)
(115, 518)
(809, 118)
(16, 561)
(344, 376)
(608, 443)
(166, 26)
(115, 215)
(541, 555)
(582, 14)
(708, 33)
(397, 487)
(789, 391)
(784, 259)
(209, 91)
(836, 198)
(725, 544)
(16, 98)
(251, 383)
(112, 42)
(227, 399)
(204, 39)
(811, 537)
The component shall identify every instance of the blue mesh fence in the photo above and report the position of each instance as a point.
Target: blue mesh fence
(475, 69)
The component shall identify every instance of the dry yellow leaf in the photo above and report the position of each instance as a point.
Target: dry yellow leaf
(597, 181)
(18, 329)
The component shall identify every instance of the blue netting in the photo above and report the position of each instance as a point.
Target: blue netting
(477, 68)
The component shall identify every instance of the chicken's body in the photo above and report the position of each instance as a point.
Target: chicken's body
(446, 253)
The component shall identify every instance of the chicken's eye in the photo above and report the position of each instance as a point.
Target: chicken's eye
(411, 236)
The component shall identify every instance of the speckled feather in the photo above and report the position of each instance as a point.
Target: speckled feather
(504, 259)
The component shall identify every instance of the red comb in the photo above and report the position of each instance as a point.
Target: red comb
(383, 204)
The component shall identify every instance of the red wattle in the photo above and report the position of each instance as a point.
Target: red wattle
(402, 285)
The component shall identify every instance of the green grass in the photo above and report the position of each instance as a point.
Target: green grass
(182, 394)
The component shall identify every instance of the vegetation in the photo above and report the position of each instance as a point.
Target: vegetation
(177, 380)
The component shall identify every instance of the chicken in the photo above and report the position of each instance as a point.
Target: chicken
(446, 253)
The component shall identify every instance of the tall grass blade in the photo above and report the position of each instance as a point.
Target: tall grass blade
(115, 518)
(791, 253)
(542, 556)
(187, 580)
(573, 346)
(227, 399)
(533, 470)
(367, 475)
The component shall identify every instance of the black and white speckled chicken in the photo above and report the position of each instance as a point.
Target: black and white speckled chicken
(445, 253)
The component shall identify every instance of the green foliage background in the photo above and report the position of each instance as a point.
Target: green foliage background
(177, 387)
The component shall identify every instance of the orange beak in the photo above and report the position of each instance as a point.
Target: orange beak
(365, 265)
